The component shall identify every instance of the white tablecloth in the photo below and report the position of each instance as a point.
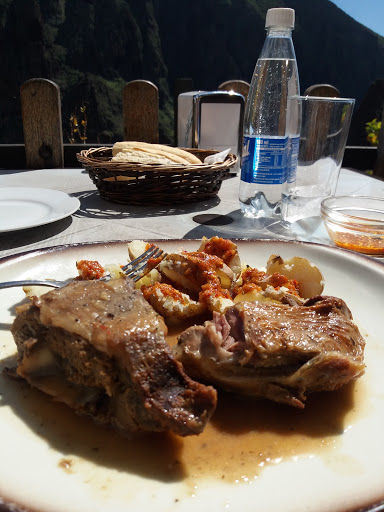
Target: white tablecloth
(100, 220)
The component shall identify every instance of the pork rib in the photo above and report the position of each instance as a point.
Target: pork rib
(100, 348)
(279, 352)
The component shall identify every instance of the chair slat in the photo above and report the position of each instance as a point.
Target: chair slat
(141, 111)
(239, 86)
(322, 90)
(41, 115)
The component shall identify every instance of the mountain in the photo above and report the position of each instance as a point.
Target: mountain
(91, 48)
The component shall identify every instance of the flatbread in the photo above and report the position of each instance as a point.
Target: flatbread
(160, 149)
(141, 157)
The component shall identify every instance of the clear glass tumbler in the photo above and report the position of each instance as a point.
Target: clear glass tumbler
(323, 133)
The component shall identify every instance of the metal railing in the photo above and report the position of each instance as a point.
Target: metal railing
(43, 139)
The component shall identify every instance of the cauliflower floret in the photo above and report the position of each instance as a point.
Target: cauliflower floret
(253, 296)
(219, 304)
(149, 279)
(113, 270)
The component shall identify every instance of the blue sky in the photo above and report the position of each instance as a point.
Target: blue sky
(368, 12)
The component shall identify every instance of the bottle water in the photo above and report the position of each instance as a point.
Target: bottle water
(267, 147)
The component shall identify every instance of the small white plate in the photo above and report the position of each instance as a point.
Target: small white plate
(22, 207)
(252, 457)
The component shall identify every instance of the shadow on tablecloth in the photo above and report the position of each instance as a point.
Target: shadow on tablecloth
(94, 206)
(235, 225)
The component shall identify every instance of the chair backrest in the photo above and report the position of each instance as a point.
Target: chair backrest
(239, 86)
(42, 123)
(41, 115)
(141, 111)
(322, 90)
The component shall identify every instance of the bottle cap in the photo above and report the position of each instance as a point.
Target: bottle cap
(280, 17)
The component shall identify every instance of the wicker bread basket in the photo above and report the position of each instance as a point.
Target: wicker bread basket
(143, 184)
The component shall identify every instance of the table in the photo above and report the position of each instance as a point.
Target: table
(100, 220)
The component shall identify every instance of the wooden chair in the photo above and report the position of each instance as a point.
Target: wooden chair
(322, 90)
(41, 115)
(238, 86)
(141, 111)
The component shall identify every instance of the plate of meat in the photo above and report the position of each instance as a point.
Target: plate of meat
(238, 375)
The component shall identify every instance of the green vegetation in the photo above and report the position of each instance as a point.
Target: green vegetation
(78, 122)
(373, 131)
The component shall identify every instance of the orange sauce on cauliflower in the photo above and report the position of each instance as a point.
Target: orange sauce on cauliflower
(254, 279)
(89, 270)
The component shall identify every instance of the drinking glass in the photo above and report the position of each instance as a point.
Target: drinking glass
(322, 125)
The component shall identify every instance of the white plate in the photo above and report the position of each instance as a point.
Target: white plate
(22, 207)
(253, 456)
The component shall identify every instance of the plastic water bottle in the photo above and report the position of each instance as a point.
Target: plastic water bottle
(267, 147)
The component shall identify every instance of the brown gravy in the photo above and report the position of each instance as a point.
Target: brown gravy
(246, 434)
(243, 436)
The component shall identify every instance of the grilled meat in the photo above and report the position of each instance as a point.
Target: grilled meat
(100, 348)
(279, 352)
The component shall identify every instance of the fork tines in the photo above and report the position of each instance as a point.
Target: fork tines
(137, 268)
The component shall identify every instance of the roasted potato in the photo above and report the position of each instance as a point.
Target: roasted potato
(309, 277)
(170, 303)
(35, 291)
(136, 248)
(224, 249)
(185, 271)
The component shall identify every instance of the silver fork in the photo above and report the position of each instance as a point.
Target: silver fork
(135, 269)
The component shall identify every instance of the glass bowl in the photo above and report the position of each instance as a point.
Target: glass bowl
(355, 223)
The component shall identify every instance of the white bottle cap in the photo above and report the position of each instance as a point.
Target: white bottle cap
(280, 17)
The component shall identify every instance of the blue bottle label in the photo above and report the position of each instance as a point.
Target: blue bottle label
(264, 160)
(293, 152)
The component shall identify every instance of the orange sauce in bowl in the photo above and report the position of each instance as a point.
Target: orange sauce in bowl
(366, 244)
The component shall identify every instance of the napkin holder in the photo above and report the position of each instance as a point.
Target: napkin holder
(211, 120)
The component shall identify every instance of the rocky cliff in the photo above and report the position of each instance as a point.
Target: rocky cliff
(92, 48)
